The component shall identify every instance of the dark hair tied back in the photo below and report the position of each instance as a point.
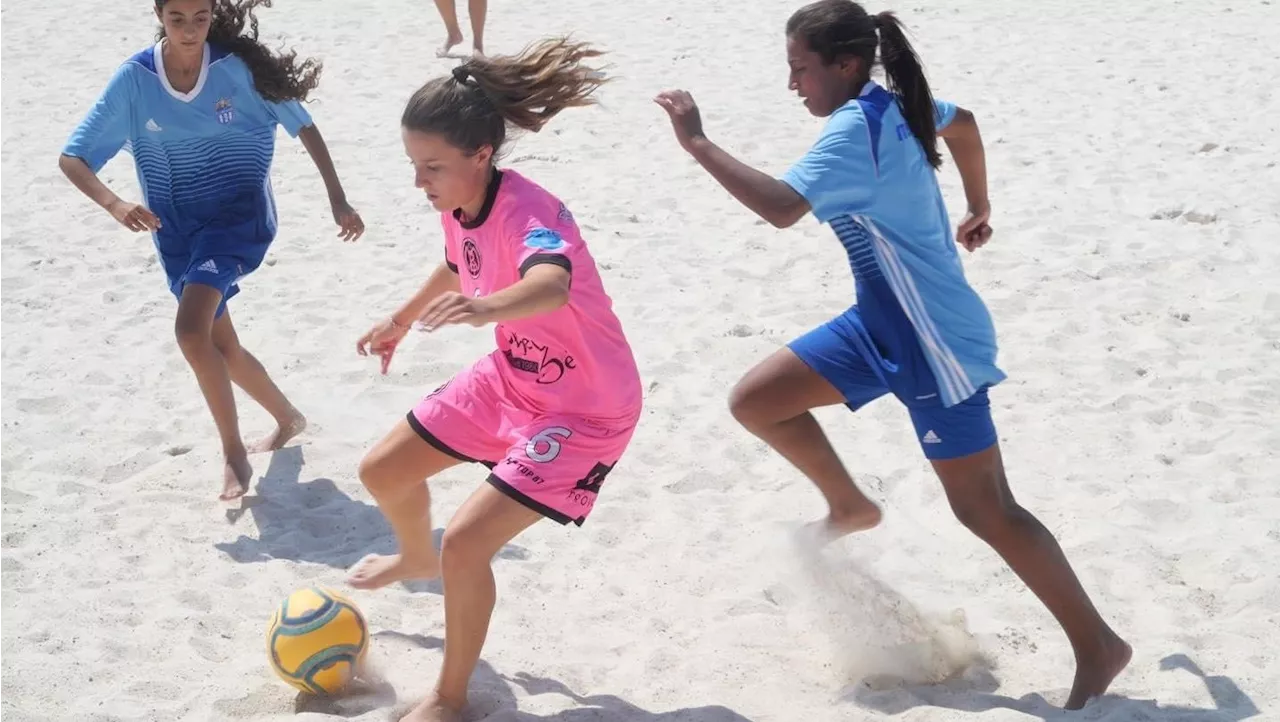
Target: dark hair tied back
(842, 28)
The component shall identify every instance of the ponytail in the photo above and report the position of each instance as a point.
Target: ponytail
(473, 106)
(906, 80)
(842, 28)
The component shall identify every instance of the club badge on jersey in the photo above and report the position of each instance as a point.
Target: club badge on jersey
(224, 111)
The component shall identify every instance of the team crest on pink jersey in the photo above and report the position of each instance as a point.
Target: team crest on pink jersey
(471, 256)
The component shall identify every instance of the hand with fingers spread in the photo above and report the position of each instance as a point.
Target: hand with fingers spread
(973, 231)
(686, 121)
(348, 220)
(381, 341)
(453, 308)
(133, 216)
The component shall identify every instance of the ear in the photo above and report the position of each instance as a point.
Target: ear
(850, 67)
(484, 155)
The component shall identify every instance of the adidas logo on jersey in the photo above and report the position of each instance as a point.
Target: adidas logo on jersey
(931, 438)
(153, 126)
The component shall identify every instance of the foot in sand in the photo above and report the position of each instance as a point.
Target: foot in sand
(434, 709)
(376, 570)
(284, 433)
(236, 476)
(843, 523)
(449, 42)
(1094, 676)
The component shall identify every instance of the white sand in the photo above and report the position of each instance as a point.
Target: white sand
(1133, 159)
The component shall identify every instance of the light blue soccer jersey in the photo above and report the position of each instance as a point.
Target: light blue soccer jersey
(868, 178)
(203, 158)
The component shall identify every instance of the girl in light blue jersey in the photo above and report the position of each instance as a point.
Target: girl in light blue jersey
(918, 330)
(198, 112)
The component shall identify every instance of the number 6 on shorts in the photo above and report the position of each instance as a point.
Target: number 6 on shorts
(548, 437)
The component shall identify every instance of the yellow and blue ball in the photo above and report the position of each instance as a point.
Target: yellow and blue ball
(316, 640)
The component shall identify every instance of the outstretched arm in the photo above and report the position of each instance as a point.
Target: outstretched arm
(384, 337)
(964, 141)
(544, 288)
(767, 197)
(343, 214)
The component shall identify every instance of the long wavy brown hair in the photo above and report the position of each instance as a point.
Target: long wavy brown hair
(474, 106)
(276, 77)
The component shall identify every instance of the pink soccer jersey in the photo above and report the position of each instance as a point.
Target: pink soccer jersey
(574, 360)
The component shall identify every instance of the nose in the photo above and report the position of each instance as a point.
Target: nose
(419, 181)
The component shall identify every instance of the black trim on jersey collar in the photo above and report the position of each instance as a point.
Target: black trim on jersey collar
(490, 195)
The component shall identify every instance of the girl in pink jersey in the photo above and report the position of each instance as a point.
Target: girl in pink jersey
(551, 410)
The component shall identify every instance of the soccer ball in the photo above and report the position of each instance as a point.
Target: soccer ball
(317, 640)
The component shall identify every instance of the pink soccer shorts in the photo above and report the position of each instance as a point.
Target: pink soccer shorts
(553, 464)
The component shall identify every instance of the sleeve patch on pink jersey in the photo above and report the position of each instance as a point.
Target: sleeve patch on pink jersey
(543, 239)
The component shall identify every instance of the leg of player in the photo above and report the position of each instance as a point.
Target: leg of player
(980, 497)
(449, 14)
(477, 9)
(773, 401)
(247, 372)
(194, 331)
(482, 526)
(395, 472)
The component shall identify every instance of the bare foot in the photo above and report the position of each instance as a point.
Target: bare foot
(376, 570)
(236, 475)
(839, 524)
(283, 434)
(477, 51)
(449, 42)
(1094, 676)
(433, 709)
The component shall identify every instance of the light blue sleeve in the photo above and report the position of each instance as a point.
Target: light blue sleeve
(291, 116)
(288, 113)
(838, 173)
(107, 126)
(944, 113)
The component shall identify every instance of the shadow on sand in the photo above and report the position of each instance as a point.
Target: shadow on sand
(975, 692)
(494, 700)
(315, 522)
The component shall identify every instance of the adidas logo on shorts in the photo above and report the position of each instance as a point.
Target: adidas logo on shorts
(931, 438)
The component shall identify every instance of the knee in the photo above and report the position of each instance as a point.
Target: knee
(230, 349)
(460, 548)
(191, 335)
(988, 514)
(377, 476)
(747, 408)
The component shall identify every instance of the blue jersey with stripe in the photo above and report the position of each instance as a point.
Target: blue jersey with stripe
(203, 157)
(868, 178)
